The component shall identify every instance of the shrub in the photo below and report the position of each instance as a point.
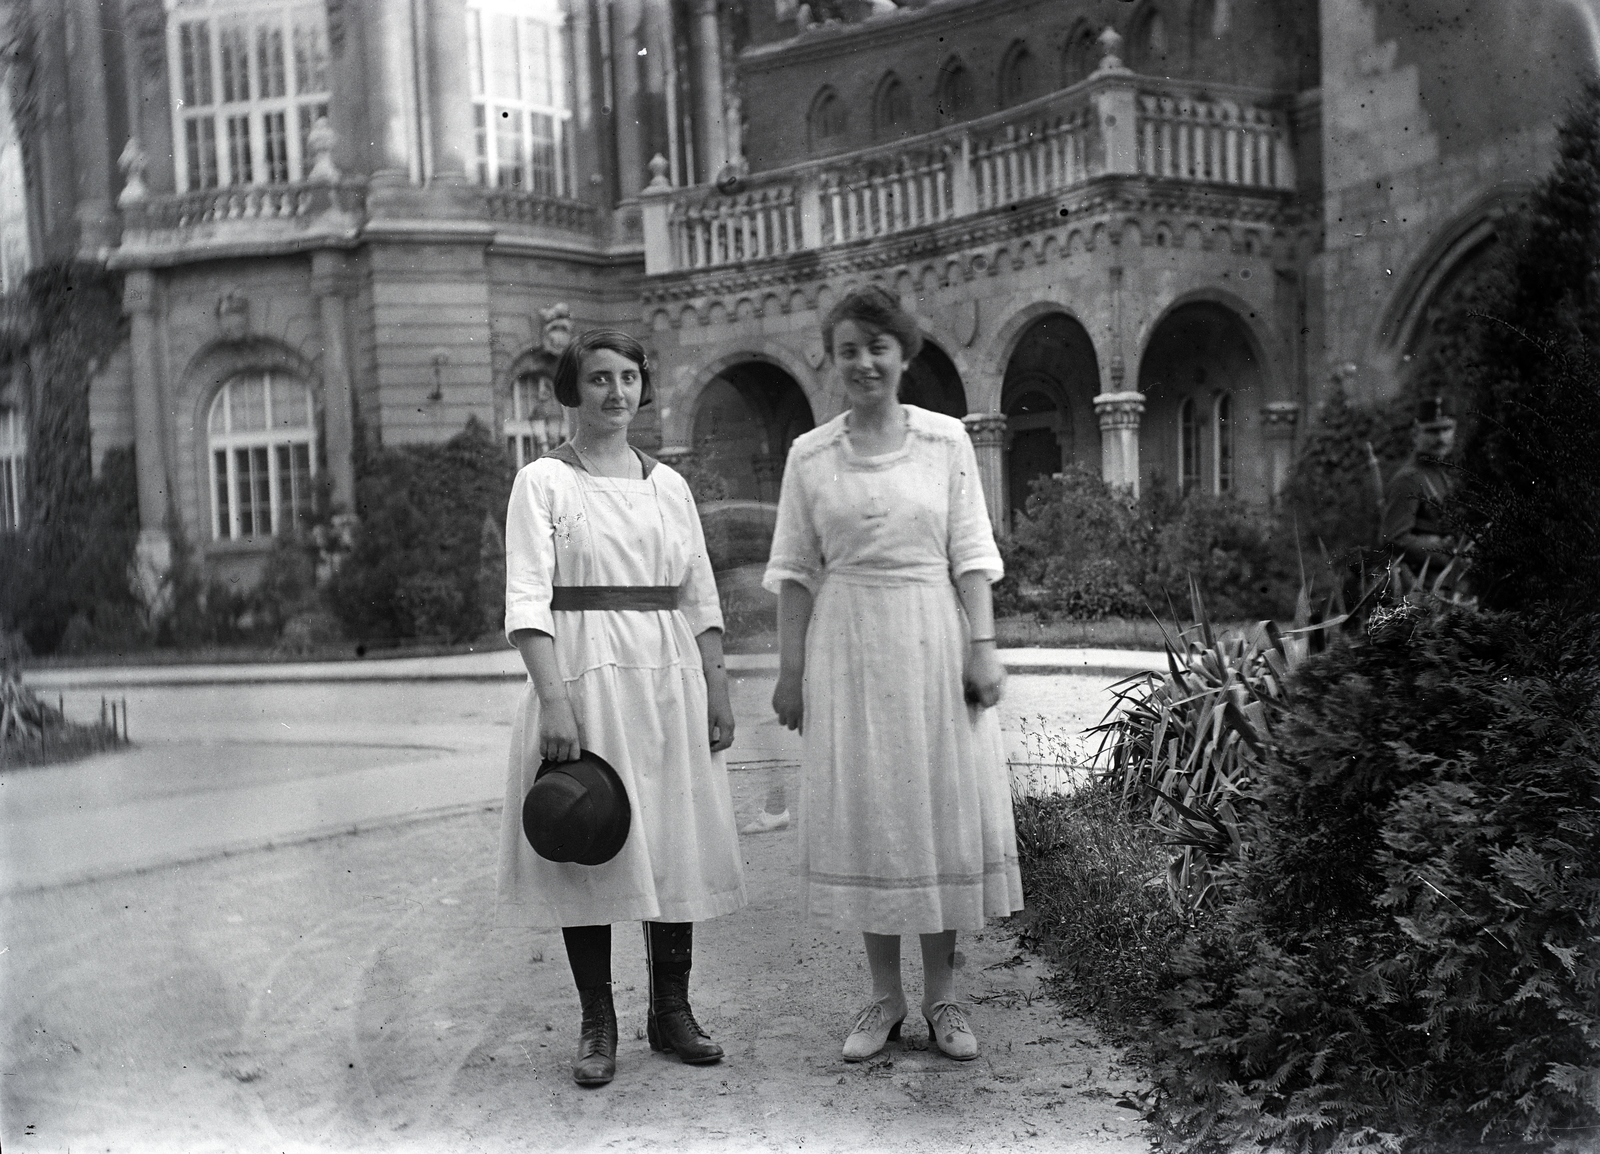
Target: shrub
(1078, 550)
(414, 566)
(1407, 946)
(1531, 361)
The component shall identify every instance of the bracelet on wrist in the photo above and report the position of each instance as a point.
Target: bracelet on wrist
(979, 640)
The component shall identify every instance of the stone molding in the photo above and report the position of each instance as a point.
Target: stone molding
(986, 428)
(1278, 418)
(1122, 410)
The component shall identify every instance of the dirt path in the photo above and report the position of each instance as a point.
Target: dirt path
(353, 994)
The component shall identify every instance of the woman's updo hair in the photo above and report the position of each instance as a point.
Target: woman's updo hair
(570, 365)
(877, 310)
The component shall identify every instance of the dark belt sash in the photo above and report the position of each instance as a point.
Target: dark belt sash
(644, 598)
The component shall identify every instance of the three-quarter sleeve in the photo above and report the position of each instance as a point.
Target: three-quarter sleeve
(697, 597)
(530, 556)
(970, 545)
(796, 547)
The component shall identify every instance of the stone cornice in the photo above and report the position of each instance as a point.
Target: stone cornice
(841, 39)
(1107, 201)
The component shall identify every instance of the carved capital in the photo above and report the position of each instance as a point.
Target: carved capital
(1121, 410)
(1278, 418)
(987, 430)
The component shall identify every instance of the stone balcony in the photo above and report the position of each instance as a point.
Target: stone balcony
(1115, 125)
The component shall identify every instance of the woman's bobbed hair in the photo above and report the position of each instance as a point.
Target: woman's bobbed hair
(877, 310)
(570, 365)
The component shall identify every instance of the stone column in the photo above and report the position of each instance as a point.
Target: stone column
(338, 405)
(1278, 419)
(450, 99)
(628, 38)
(711, 131)
(1119, 415)
(149, 435)
(391, 51)
(90, 131)
(988, 433)
(768, 468)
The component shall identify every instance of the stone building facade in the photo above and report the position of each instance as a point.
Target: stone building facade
(1142, 236)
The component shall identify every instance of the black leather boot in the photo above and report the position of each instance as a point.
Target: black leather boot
(669, 946)
(596, 1063)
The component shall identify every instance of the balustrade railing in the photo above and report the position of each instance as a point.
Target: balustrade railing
(1217, 141)
(1114, 124)
(515, 206)
(256, 202)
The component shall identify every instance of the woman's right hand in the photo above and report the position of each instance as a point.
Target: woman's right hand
(558, 730)
(788, 700)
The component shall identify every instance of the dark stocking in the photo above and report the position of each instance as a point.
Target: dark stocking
(589, 954)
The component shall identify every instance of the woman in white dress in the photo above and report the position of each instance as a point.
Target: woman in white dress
(637, 682)
(882, 561)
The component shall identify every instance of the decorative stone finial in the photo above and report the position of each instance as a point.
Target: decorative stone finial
(1111, 43)
(321, 140)
(132, 163)
(658, 173)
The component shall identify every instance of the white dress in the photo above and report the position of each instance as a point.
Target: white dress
(905, 808)
(637, 687)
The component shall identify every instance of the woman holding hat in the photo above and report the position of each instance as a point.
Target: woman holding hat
(610, 599)
(882, 561)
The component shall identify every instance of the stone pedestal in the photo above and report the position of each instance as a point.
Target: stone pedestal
(149, 438)
(988, 433)
(1278, 419)
(1119, 415)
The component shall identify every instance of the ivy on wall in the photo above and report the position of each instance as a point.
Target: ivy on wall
(71, 556)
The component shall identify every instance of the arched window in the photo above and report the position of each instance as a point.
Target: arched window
(1222, 441)
(1188, 448)
(1016, 75)
(1211, 19)
(891, 109)
(262, 437)
(536, 422)
(521, 122)
(1151, 43)
(954, 97)
(249, 79)
(1080, 55)
(826, 122)
(13, 452)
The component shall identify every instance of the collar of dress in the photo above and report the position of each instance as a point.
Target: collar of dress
(565, 453)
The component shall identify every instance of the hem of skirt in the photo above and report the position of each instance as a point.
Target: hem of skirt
(509, 911)
(846, 921)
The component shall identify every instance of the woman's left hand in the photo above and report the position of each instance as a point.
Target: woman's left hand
(720, 717)
(983, 675)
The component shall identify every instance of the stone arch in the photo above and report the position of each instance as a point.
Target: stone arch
(745, 413)
(1150, 47)
(202, 378)
(1050, 379)
(827, 121)
(1461, 243)
(1079, 55)
(1017, 80)
(1205, 354)
(891, 108)
(953, 91)
(678, 404)
(933, 382)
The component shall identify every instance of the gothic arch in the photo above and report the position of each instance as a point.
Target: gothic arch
(1079, 55)
(827, 121)
(953, 91)
(891, 108)
(1018, 81)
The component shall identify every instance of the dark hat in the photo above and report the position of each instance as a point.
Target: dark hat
(1435, 411)
(577, 811)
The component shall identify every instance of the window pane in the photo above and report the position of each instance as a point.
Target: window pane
(291, 407)
(505, 67)
(1225, 444)
(224, 523)
(252, 483)
(240, 168)
(235, 64)
(1188, 447)
(200, 135)
(248, 400)
(218, 423)
(272, 76)
(508, 148)
(538, 63)
(310, 55)
(194, 47)
(276, 142)
(542, 156)
(480, 130)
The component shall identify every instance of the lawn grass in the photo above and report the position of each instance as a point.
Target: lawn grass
(1097, 907)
